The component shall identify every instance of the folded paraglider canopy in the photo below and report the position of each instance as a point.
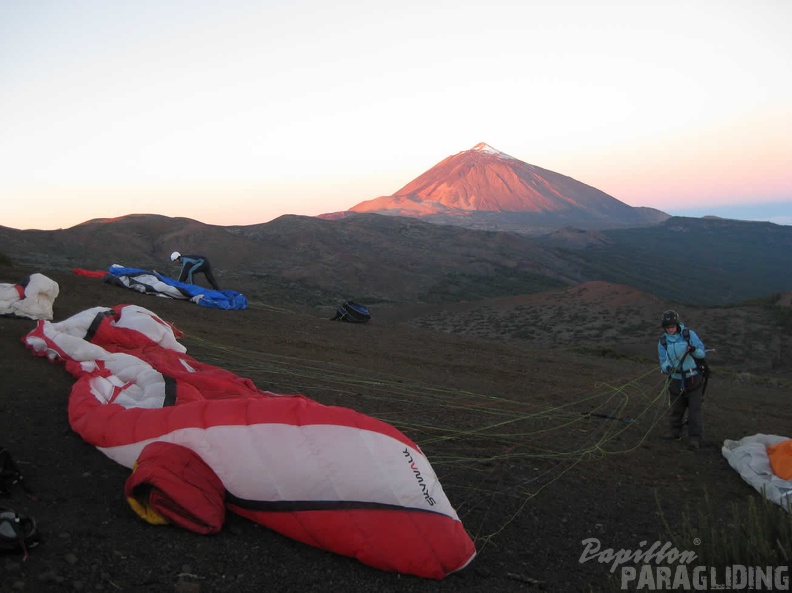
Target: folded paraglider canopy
(765, 462)
(33, 298)
(203, 441)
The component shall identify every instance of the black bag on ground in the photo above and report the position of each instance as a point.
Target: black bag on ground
(352, 312)
(9, 473)
(18, 532)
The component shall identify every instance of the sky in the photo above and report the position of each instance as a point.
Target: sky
(235, 112)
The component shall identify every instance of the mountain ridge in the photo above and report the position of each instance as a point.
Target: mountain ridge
(385, 259)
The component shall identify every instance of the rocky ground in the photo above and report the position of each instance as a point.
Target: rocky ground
(542, 417)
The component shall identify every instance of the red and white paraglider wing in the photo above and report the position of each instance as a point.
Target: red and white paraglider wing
(327, 476)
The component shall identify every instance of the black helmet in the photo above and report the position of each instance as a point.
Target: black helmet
(670, 317)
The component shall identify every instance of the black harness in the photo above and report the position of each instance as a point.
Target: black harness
(702, 366)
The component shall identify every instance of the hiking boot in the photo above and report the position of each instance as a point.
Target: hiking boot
(672, 435)
(695, 443)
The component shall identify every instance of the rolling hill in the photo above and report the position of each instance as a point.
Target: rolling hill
(388, 259)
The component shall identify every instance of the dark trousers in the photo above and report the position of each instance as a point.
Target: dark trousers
(207, 270)
(690, 400)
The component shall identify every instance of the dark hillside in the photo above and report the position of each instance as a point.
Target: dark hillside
(701, 261)
(309, 260)
(381, 258)
(389, 259)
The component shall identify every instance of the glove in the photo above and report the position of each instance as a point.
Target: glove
(666, 369)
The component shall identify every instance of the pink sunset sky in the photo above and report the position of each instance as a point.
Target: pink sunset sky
(236, 113)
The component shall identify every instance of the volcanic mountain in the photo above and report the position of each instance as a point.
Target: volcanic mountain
(485, 188)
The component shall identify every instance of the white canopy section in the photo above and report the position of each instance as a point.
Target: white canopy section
(33, 299)
(750, 458)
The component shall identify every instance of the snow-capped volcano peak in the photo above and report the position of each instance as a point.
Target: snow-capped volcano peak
(484, 147)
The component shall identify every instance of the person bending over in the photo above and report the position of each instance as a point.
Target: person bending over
(194, 264)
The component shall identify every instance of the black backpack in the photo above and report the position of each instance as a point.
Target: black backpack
(18, 532)
(702, 366)
(9, 473)
(352, 312)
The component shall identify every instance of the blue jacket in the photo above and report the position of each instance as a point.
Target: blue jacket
(675, 352)
(191, 264)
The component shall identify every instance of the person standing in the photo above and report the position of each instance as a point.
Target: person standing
(678, 349)
(194, 264)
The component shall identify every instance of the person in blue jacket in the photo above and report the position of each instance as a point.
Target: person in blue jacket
(194, 264)
(677, 350)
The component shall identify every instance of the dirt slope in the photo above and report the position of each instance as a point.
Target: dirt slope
(539, 444)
